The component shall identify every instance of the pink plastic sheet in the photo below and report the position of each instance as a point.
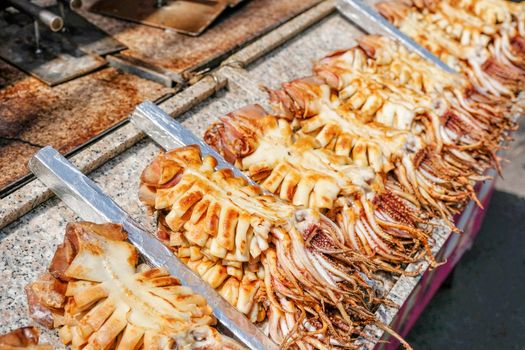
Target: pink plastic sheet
(469, 222)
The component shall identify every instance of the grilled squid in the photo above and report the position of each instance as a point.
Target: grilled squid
(482, 38)
(98, 297)
(204, 220)
(446, 118)
(346, 181)
(285, 266)
(23, 338)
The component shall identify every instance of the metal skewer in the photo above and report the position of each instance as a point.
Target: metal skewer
(88, 201)
(37, 37)
(371, 21)
(170, 134)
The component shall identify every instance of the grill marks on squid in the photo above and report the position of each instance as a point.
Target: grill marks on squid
(269, 259)
(98, 297)
(430, 152)
(482, 38)
(317, 177)
(379, 141)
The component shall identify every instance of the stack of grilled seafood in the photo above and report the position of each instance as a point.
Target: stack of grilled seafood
(99, 297)
(483, 38)
(357, 165)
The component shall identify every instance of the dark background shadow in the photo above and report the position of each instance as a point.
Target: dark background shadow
(484, 305)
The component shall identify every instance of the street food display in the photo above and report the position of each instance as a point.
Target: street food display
(378, 144)
(354, 167)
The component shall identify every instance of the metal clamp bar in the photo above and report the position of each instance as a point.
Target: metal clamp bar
(371, 21)
(170, 134)
(88, 201)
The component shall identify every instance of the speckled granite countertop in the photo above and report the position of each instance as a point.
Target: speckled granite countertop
(33, 114)
(29, 242)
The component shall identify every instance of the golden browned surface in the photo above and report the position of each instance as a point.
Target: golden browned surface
(98, 297)
(22, 338)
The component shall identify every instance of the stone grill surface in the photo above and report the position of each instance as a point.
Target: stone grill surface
(33, 115)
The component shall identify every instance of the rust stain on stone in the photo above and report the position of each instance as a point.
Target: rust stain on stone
(66, 116)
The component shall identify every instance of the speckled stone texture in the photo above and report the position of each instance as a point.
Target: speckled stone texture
(33, 115)
(294, 59)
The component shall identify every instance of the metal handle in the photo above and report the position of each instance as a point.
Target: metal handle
(88, 201)
(54, 22)
(372, 22)
(73, 4)
(170, 134)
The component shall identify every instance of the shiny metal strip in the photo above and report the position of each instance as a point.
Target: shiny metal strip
(88, 201)
(170, 134)
(371, 21)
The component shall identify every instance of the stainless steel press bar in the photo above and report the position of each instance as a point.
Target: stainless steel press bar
(88, 201)
(170, 134)
(371, 21)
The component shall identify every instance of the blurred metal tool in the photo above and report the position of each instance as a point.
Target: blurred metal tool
(89, 202)
(372, 22)
(52, 21)
(47, 52)
(72, 4)
(185, 16)
(170, 134)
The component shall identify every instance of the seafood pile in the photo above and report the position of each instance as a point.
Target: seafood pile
(357, 166)
(378, 139)
(273, 261)
(364, 159)
(485, 39)
(98, 297)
